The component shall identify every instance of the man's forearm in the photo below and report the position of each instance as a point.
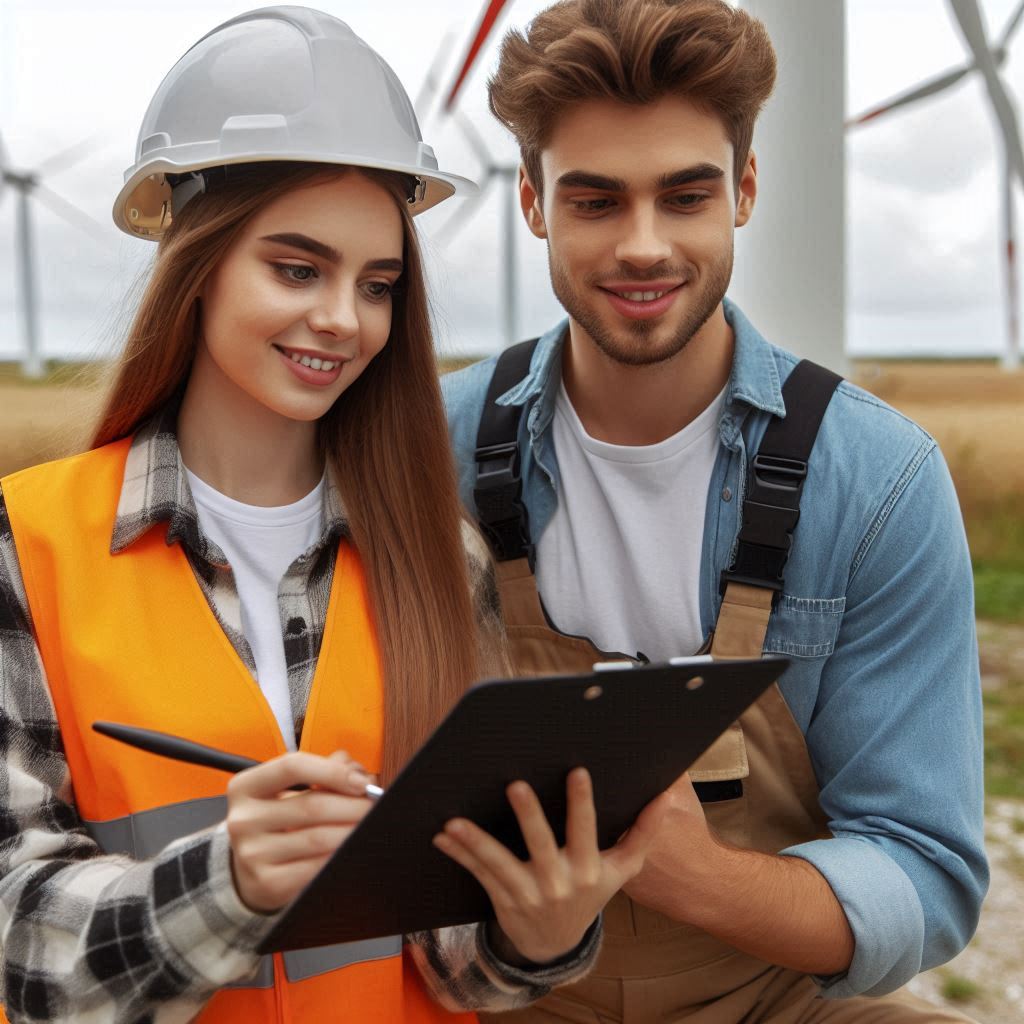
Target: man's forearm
(778, 909)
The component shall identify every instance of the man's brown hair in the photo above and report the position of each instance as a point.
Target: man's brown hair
(635, 51)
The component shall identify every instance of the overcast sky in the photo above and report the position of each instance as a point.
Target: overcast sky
(924, 266)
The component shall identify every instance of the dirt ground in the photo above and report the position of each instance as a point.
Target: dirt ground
(974, 411)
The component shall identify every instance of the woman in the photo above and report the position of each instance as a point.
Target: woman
(268, 496)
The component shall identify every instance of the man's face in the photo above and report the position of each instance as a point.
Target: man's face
(639, 209)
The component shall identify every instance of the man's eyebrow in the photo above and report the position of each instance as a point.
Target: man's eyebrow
(307, 244)
(688, 175)
(585, 179)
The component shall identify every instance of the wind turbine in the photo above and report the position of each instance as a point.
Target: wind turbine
(507, 173)
(28, 184)
(987, 60)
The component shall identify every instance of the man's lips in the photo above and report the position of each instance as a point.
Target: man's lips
(642, 300)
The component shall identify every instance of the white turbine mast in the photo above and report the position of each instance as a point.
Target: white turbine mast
(987, 61)
(28, 185)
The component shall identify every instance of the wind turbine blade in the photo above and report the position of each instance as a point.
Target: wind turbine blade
(929, 88)
(968, 16)
(1011, 27)
(466, 211)
(73, 215)
(432, 83)
(67, 158)
(487, 20)
(475, 140)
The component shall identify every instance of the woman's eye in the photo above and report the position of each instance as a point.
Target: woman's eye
(295, 272)
(379, 289)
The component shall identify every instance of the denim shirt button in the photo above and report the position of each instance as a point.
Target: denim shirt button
(726, 494)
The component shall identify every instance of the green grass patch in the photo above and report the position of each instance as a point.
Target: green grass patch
(1004, 740)
(999, 592)
(958, 989)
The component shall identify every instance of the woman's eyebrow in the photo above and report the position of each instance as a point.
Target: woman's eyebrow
(396, 265)
(307, 244)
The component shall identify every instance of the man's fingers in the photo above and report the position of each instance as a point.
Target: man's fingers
(628, 854)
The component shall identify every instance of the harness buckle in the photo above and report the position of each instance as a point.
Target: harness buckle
(779, 473)
(498, 493)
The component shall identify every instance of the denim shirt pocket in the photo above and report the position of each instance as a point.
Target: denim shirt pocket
(804, 627)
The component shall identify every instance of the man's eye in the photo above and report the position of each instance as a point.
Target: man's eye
(295, 272)
(591, 205)
(689, 199)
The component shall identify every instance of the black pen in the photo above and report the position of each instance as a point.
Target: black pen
(178, 749)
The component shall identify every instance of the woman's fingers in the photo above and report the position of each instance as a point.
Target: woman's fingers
(300, 811)
(533, 823)
(286, 847)
(463, 855)
(581, 816)
(281, 838)
(337, 772)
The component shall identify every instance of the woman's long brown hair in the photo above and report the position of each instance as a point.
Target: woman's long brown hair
(385, 440)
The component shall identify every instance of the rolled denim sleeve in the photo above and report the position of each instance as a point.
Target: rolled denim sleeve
(896, 741)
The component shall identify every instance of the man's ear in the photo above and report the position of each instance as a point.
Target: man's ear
(746, 194)
(529, 201)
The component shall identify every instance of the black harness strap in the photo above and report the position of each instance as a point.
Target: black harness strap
(499, 488)
(771, 508)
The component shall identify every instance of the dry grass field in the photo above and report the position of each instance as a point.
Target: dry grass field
(973, 409)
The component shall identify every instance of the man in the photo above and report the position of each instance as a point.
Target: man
(829, 847)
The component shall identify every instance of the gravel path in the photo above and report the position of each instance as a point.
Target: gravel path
(994, 960)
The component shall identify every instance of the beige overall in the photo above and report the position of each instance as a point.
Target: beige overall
(653, 969)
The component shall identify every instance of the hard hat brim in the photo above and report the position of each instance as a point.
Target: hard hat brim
(440, 184)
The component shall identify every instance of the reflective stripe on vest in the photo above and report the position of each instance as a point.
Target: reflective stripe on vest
(131, 638)
(146, 833)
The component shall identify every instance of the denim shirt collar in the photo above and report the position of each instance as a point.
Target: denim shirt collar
(753, 383)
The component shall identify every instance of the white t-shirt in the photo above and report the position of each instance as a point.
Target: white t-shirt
(620, 560)
(260, 544)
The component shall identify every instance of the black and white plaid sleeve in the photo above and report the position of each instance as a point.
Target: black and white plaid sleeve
(85, 935)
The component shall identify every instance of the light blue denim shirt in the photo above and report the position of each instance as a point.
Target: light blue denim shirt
(878, 618)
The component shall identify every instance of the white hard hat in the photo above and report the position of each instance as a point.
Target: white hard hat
(281, 83)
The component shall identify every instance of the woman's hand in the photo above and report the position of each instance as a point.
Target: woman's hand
(546, 904)
(280, 838)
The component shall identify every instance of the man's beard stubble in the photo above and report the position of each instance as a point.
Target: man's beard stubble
(642, 352)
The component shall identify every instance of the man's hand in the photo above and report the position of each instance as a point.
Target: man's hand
(778, 909)
(281, 838)
(683, 839)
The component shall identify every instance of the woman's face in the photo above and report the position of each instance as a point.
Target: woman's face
(301, 302)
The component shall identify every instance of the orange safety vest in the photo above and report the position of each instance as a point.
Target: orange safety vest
(131, 638)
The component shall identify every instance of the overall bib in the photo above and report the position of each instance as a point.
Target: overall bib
(758, 790)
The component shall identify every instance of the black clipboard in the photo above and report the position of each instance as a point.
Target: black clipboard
(637, 729)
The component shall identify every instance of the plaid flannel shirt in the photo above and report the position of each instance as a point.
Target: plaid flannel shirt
(86, 934)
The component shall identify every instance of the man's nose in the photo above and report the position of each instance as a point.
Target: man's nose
(644, 243)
